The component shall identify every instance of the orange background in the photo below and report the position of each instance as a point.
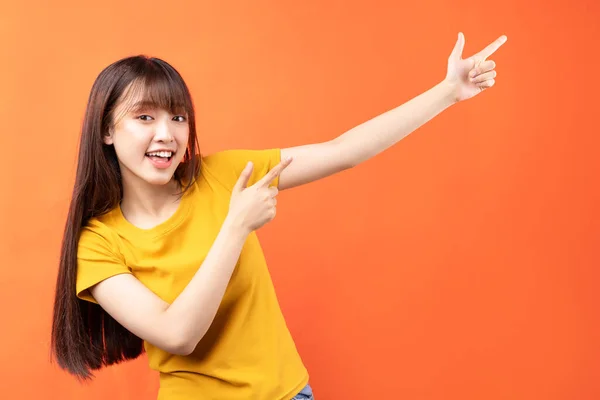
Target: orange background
(460, 264)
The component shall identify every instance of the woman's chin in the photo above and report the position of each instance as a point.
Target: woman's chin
(159, 180)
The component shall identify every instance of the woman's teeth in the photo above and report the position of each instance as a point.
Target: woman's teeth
(165, 154)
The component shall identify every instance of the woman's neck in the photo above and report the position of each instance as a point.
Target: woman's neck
(146, 205)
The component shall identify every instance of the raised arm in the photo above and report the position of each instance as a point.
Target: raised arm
(465, 78)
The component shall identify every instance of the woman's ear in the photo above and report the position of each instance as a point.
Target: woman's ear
(108, 138)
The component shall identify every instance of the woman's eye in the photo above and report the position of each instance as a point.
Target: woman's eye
(179, 118)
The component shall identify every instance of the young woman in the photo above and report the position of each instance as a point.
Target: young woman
(160, 252)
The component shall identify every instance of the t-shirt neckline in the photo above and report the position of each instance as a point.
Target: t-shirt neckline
(162, 228)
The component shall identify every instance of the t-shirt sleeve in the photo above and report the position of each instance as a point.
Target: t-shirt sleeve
(226, 166)
(97, 260)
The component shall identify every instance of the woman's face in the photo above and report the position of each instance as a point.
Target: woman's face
(149, 142)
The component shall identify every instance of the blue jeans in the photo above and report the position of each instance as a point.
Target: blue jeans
(305, 394)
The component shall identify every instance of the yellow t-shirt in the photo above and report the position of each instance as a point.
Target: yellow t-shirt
(248, 352)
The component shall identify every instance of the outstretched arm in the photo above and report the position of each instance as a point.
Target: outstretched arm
(465, 78)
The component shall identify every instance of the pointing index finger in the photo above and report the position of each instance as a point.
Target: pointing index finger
(492, 47)
(274, 172)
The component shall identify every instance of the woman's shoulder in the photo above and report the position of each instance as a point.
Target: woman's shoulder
(99, 228)
(222, 159)
(235, 157)
(226, 166)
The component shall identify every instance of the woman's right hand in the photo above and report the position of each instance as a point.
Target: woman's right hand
(252, 207)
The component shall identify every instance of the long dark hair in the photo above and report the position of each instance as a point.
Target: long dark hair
(84, 336)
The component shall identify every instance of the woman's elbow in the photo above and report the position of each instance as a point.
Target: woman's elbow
(182, 344)
(177, 348)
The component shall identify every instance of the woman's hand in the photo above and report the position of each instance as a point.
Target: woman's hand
(252, 207)
(471, 76)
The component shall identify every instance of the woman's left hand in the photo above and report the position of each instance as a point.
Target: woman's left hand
(471, 76)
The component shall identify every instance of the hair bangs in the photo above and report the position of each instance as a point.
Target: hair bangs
(157, 89)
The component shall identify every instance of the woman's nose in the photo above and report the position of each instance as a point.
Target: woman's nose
(163, 132)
